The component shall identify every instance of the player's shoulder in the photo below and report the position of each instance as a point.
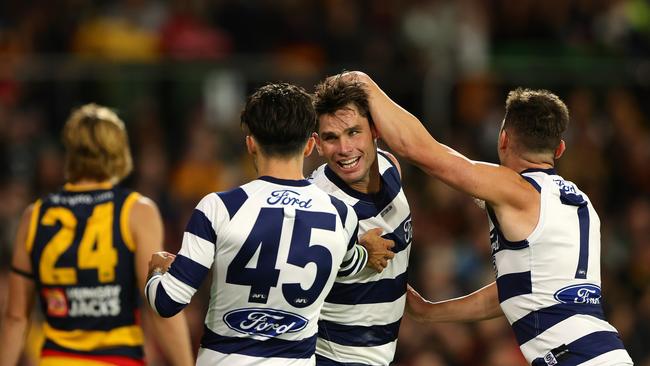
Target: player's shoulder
(388, 161)
(141, 208)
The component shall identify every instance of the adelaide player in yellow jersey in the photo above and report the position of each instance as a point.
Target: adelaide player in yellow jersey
(84, 251)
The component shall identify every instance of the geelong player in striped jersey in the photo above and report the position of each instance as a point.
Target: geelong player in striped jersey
(275, 246)
(545, 233)
(360, 320)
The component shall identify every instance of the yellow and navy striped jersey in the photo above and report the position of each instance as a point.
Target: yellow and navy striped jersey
(83, 259)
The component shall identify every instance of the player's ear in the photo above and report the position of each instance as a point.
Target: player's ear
(373, 131)
(504, 139)
(317, 140)
(250, 145)
(309, 147)
(559, 150)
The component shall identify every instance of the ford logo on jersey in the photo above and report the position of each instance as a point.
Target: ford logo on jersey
(288, 198)
(264, 322)
(585, 293)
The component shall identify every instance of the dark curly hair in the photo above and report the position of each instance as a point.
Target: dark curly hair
(281, 117)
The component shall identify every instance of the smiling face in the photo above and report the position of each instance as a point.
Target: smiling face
(348, 143)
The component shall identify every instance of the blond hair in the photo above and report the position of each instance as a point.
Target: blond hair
(96, 144)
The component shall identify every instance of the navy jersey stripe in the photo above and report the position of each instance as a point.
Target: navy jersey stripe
(370, 205)
(165, 305)
(126, 351)
(399, 241)
(533, 183)
(536, 322)
(549, 171)
(201, 226)
(329, 173)
(583, 257)
(357, 335)
(385, 156)
(324, 361)
(285, 182)
(375, 203)
(514, 284)
(505, 244)
(588, 347)
(385, 290)
(233, 200)
(400, 236)
(353, 237)
(188, 271)
(359, 257)
(341, 208)
(272, 347)
(347, 262)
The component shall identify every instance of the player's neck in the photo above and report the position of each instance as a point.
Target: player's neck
(290, 168)
(523, 163)
(371, 184)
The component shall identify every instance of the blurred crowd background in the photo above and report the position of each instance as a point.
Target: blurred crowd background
(177, 72)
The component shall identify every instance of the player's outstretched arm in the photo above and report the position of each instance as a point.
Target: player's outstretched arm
(172, 334)
(408, 138)
(479, 305)
(15, 320)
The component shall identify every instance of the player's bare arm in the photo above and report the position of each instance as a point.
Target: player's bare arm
(480, 305)
(21, 297)
(503, 188)
(146, 226)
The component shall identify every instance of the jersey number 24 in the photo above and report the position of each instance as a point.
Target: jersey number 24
(95, 249)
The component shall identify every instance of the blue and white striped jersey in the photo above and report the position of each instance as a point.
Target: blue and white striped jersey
(549, 284)
(275, 248)
(360, 320)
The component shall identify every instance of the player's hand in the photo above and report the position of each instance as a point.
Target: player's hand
(416, 305)
(379, 249)
(357, 76)
(160, 262)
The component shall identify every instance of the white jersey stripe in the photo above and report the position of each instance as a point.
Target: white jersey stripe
(355, 355)
(365, 313)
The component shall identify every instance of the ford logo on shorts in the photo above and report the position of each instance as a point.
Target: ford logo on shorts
(264, 322)
(585, 293)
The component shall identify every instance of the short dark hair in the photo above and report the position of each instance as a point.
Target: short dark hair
(281, 117)
(537, 117)
(335, 93)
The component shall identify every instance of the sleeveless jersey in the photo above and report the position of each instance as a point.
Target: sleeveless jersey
(549, 284)
(275, 247)
(82, 256)
(360, 320)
